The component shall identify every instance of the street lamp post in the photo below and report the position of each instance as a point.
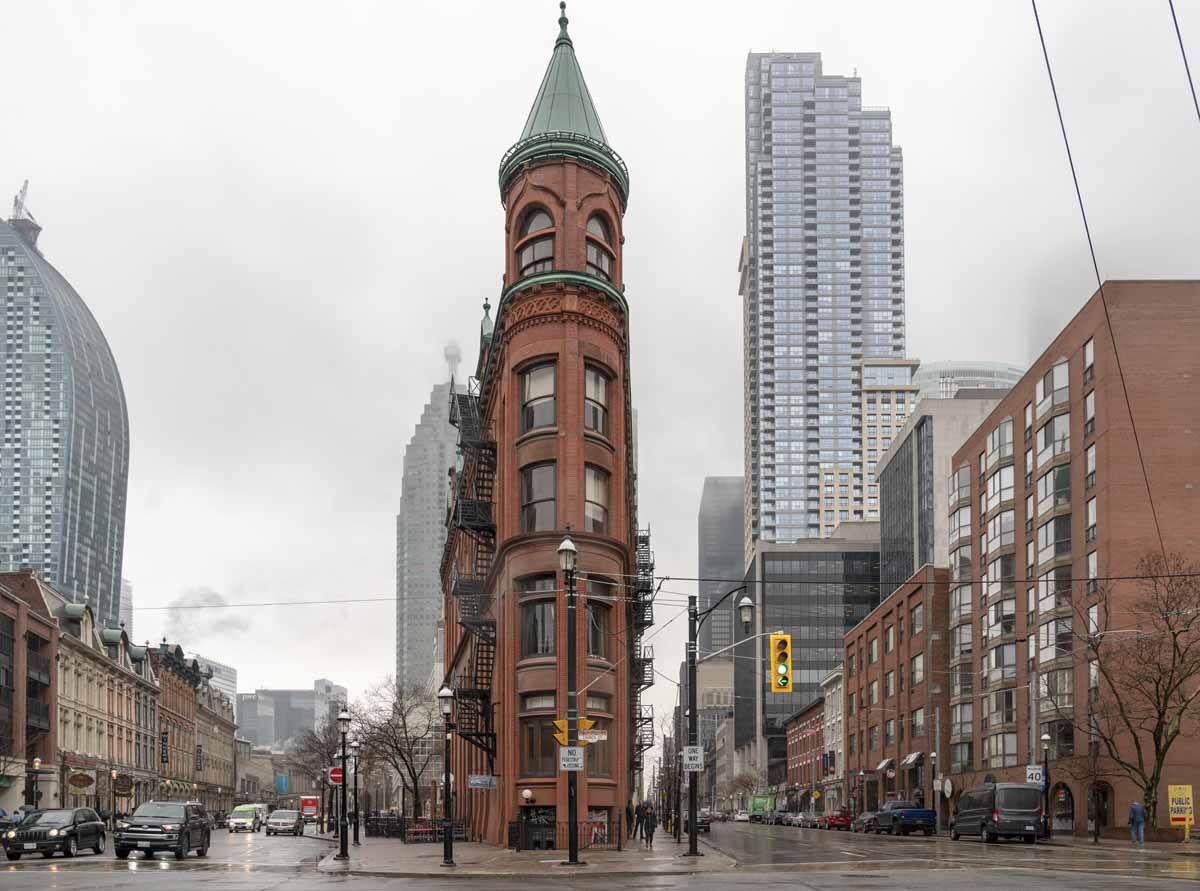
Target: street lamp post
(937, 809)
(343, 823)
(695, 620)
(566, 562)
(37, 766)
(354, 747)
(112, 788)
(1046, 784)
(446, 701)
(862, 792)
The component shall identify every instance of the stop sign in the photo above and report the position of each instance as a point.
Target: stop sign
(335, 776)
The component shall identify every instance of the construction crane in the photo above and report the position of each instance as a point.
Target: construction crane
(19, 211)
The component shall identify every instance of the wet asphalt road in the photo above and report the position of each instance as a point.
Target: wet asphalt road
(769, 857)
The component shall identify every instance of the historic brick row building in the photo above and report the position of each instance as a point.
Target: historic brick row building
(546, 439)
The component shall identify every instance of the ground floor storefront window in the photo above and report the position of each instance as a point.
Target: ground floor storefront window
(1062, 809)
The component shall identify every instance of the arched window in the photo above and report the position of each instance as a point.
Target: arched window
(536, 254)
(599, 252)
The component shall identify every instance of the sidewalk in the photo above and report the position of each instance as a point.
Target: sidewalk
(389, 857)
(1166, 849)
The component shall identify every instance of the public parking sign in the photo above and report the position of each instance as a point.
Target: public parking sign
(693, 758)
(335, 776)
(570, 758)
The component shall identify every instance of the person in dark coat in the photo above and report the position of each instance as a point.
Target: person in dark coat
(639, 820)
(629, 818)
(649, 824)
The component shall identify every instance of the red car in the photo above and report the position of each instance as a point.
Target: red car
(834, 820)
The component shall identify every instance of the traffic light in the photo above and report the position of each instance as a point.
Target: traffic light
(781, 663)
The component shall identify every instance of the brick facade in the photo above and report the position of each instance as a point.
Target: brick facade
(806, 758)
(894, 689)
(1047, 498)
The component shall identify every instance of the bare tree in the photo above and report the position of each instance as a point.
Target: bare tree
(400, 727)
(745, 783)
(1143, 655)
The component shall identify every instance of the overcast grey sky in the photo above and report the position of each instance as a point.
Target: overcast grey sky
(281, 212)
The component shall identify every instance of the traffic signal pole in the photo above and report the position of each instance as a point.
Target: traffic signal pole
(693, 719)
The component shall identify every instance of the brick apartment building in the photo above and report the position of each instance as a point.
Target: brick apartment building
(28, 691)
(895, 690)
(546, 437)
(807, 759)
(1047, 501)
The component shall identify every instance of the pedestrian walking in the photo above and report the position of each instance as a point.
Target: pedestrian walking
(649, 824)
(639, 820)
(629, 818)
(1137, 824)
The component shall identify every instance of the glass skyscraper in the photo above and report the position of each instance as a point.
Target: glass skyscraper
(420, 538)
(822, 281)
(64, 437)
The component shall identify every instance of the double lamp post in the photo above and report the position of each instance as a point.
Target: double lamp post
(343, 821)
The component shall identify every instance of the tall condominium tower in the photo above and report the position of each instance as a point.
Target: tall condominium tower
(420, 537)
(822, 281)
(64, 435)
(721, 559)
(125, 613)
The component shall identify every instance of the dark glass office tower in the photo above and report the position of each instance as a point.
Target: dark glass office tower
(64, 437)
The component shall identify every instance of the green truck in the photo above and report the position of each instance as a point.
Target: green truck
(760, 806)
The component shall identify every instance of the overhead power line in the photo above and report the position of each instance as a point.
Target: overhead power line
(1099, 283)
(1183, 52)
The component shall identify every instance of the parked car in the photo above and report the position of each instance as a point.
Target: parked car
(864, 822)
(283, 822)
(68, 830)
(808, 820)
(839, 819)
(741, 817)
(902, 817)
(999, 810)
(703, 822)
(791, 818)
(174, 826)
(245, 818)
(773, 818)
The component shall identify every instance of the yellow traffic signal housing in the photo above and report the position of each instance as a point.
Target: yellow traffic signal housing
(781, 663)
(561, 726)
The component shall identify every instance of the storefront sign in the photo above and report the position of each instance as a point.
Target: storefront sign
(1180, 802)
(80, 780)
(123, 784)
(164, 751)
(481, 781)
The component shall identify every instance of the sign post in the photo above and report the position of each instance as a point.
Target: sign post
(1180, 803)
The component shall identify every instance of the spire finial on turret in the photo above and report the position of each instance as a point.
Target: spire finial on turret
(562, 22)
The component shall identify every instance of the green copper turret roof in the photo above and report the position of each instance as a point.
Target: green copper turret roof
(563, 121)
(563, 104)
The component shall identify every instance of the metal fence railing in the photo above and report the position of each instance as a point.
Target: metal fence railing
(410, 831)
(530, 835)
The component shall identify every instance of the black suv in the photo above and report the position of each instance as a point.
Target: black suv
(174, 826)
(69, 830)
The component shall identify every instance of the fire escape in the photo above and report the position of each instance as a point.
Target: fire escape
(473, 518)
(641, 673)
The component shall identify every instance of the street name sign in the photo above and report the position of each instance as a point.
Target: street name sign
(570, 758)
(592, 736)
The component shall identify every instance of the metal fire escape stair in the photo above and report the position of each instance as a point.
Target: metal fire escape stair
(641, 674)
(473, 516)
